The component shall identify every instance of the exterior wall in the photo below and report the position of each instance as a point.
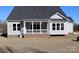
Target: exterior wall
(23, 29)
(10, 28)
(58, 32)
(70, 27)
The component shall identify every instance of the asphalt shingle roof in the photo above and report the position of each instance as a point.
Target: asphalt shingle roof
(34, 12)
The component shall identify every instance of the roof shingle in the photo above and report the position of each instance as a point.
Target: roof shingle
(34, 12)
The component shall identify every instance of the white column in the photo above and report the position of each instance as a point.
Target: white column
(32, 27)
(47, 27)
(40, 27)
(24, 28)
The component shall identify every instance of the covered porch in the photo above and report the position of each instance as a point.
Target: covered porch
(34, 27)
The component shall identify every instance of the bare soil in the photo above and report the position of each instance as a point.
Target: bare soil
(40, 44)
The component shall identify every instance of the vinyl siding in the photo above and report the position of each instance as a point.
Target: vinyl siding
(10, 28)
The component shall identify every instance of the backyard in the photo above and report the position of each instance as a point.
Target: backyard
(39, 44)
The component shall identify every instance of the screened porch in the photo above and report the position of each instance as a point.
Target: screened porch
(36, 27)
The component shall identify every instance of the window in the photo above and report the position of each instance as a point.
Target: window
(44, 25)
(28, 25)
(53, 26)
(58, 26)
(62, 26)
(36, 25)
(18, 27)
(14, 27)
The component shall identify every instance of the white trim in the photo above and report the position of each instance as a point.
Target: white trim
(60, 16)
(34, 19)
(32, 27)
(40, 27)
(56, 16)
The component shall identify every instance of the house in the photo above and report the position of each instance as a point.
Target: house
(49, 20)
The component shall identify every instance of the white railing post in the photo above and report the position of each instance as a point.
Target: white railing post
(24, 28)
(40, 27)
(32, 27)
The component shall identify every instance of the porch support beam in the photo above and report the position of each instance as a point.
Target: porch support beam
(40, 27)
(24, 28)
(32, 27)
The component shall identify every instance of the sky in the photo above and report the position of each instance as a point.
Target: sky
(71, 11)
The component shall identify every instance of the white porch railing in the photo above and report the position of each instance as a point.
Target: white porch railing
(28, 30)
(44, 30)
(36, 31)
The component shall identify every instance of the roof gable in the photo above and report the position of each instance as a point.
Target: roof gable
(59, 17)
(56, 16)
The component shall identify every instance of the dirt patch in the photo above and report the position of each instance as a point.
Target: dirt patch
(53, 44)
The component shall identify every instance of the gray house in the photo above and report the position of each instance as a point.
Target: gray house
(49, 20)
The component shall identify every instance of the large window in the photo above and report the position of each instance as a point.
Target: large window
(18, 27)
(53, 26)
(44, 25)
(28, 25)
(36, 26)
(14, 27)
(62, 26)
(58, 26)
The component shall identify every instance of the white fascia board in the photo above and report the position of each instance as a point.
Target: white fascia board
(59, 16)
(56, 16)
(63, 16)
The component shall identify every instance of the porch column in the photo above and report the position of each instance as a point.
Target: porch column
(40, 27)
(32, 27)
(47, 27)
(24, 28)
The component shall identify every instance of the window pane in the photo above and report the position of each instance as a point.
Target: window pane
(28, 25)
(36, 25)
(18, 27)
(44, 25)
(53, 26)
(14, 27)
(62, 26)
(58, 26)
